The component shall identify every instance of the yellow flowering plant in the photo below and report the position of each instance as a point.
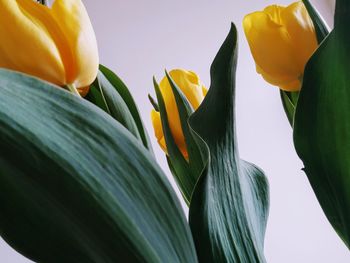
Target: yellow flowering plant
(281, 40)
(314, 83)
(216, 184)
(78, 177)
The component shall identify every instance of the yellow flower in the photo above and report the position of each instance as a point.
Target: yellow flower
(281, 39)
(57, 44)
(193, 89)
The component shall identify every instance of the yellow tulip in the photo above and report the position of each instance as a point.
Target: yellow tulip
(56, 44)
(193, 89)
(281, 39)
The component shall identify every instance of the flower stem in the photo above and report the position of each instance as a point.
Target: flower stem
(73, 89)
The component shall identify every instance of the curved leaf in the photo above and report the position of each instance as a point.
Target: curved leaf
(113, 103)
(75, 186)
(185, 111)
(124, 92)
(229, 207)
(322, 124)
(110, 94)
(178, 165)
(185, 172)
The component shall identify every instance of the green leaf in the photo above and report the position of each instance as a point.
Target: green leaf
(127, 97)
(185, 111)
(95, 96)
(185, 172)
(229, 207)
(76, 186)
(110, 94)
(322, 123)
(114, 104)
(178, 165)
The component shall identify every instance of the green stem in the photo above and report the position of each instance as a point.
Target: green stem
(73, 89)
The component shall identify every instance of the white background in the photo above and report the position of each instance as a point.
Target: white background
(138, 39)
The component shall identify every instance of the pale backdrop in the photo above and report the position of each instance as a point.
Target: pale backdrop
(139, 38)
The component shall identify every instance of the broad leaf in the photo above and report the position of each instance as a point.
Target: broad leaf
(322, 123)
(76, 186)
(229, 207)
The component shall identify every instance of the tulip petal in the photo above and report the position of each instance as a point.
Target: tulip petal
(26, 43)
(301, 32)
(188, 82)
(281, 39)
(204, 90)
(158, 130)
(293, 85)
(82, 59)
(274, 12)
(271, 48)
(190, 85)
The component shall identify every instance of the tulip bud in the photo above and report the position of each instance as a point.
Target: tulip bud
(193, 89)
(56, 44)
(281, 39)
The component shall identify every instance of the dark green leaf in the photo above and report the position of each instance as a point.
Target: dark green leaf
(114, 104)
(322, 123)
(229, 207)
(153, 102)
(76, 186)
(185, 111)
(95, 97)
(178, 165)
(124, 92)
